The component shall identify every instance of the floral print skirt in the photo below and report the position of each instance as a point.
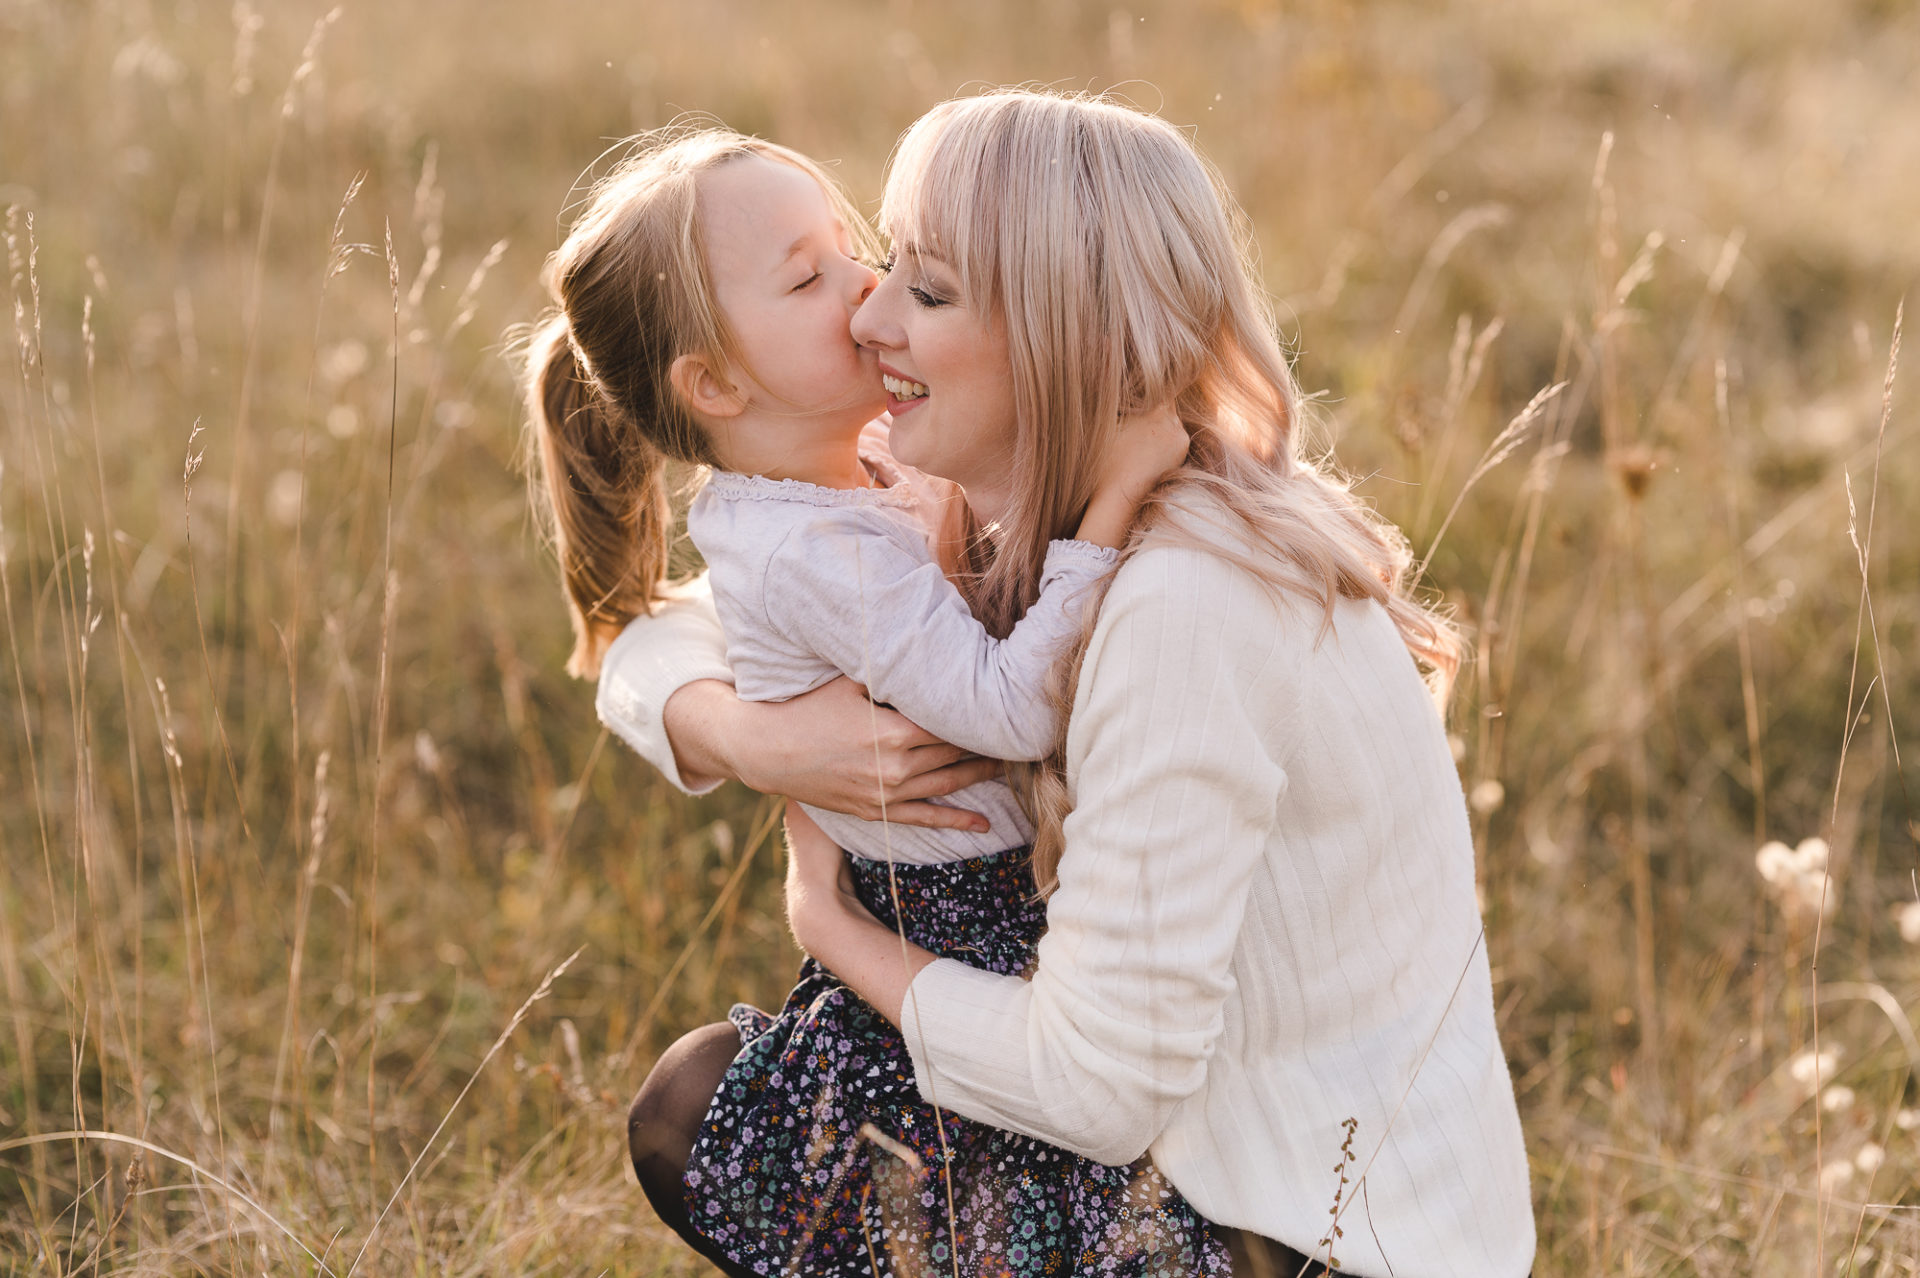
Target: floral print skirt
(818, 1156)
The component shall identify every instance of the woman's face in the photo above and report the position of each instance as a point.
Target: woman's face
(948, 375)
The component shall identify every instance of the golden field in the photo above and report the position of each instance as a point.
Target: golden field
(331, 918)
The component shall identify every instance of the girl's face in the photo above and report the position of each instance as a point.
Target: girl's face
(948, 375)
(783, 271)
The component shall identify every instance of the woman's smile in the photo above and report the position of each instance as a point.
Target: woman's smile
(903, 393)
(919, 323)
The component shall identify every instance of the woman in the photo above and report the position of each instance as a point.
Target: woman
(1264, 963)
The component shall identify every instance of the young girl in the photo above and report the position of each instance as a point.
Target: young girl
(703, 308)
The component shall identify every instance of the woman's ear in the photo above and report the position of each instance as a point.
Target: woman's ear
(702, 389)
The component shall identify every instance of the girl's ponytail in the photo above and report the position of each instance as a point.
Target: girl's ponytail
(606, 496)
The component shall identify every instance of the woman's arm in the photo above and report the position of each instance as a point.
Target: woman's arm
(1177, 797)
(832, 748)
(872, 959)
(665, 690)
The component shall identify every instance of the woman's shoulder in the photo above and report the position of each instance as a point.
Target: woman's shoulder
(1199, 557)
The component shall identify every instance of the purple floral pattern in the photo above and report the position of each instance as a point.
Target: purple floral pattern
(819, 1157)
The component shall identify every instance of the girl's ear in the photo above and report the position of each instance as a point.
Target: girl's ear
(702, 389)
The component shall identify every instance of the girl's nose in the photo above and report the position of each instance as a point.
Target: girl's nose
(863, 281)
(870, 324)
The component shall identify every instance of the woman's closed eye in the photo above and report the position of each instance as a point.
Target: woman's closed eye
(924, 296)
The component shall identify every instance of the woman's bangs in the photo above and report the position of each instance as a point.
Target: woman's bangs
(935, 201)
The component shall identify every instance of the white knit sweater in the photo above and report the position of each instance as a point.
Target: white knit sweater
(1265, 926)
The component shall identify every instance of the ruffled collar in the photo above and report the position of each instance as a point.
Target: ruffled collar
(900, 485)
(731, 487)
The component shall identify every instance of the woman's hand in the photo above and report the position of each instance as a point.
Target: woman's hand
(831, 748)
(1145, 450)
(831, 924)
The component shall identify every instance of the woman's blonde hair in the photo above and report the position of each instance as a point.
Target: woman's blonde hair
(631, 294)
(1121, 268)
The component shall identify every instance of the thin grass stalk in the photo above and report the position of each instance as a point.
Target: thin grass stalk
(769, 820)
(900, 914)
(545, 987)
(214, 682)
(250, 313)
(1749, 687)
(131, 1042)
(382, 692)
(302, 915)
(1863, 552)
(23, 1029)
(1503, 446)
(1465, 363)
(337, 257)
(193, 920)
(232, 1192)
(1632, 618)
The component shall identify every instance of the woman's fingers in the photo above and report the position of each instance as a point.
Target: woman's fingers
(940, 754)
(939, 782)
(835, 749)
(935, 816)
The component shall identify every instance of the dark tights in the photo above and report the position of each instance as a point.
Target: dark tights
(665, 1121)
(1259, 1257)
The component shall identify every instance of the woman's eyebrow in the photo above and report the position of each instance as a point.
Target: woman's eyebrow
(906, 248)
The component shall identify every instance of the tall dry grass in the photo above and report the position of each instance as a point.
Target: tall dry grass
(334, 924)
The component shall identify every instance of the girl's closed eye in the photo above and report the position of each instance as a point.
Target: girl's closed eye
(807, 282)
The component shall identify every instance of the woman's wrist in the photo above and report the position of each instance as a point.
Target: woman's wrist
(819, 916)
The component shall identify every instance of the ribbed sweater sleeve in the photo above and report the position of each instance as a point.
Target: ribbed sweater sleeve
(1175, 793)
(654, 657)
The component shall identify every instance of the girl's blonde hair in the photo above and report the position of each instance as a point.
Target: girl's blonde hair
(1122, 270)
(631, 294)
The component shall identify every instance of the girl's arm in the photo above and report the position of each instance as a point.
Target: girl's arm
(1146, 449)
(665, 690)
(885, 613)
(858, 592)
(1178, 797)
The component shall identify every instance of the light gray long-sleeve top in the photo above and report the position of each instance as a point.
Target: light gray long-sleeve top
(811, 583)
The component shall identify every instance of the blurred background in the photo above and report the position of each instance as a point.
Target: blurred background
(301, 821)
